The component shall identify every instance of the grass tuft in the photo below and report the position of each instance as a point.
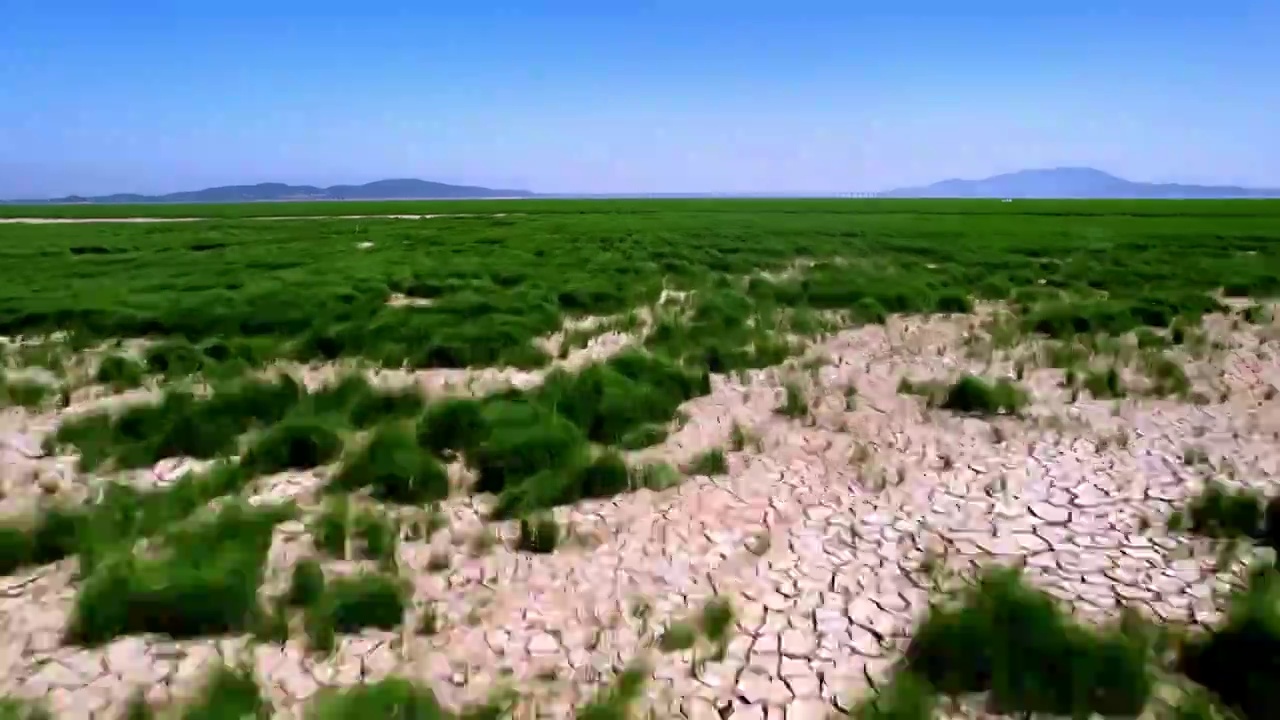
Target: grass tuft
(200, 579)
(394, 468)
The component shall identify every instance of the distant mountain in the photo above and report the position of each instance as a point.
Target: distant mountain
(1072, 182)
(262, 192)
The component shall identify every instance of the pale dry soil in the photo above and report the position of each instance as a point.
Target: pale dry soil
(817, 535)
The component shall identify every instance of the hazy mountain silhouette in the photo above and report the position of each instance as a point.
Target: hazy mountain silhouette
(379, 190)
(1073, 182)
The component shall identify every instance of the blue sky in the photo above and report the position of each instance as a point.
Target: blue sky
(661, 96)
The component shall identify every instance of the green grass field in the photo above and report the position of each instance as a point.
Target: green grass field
(704, 287)
(319, 288)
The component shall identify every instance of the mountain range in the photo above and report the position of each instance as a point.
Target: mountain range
(380, 190)
(1048, 183)
(1073, 183)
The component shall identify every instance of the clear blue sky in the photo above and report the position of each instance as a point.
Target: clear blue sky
(617, 96)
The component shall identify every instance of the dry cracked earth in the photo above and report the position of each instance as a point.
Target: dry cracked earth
(827, 534)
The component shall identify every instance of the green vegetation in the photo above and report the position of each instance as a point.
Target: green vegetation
(246, 290)
(711, 462)
(394, 468)
(228, 693)
(1017, 646)
(971, 394)
(306, 587)
(539, 534)
(365, 531)
(120, 372)
(1238, 661)
(348, 604)
(390, 698)
(200, 578)
(704, 287)
(23, 392)
(11, 709)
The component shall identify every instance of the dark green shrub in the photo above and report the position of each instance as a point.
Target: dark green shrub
(202, 579)
(1014, 643)
(609, 400)
(538, 535)
(380, 405)
(605, 476)
(615, 702)
(372, 535)
(795, 402)
(307, 584)
(228, 693)
(54, 534)
(1104, 384)
(179, 425)
(643, 437)
(906, 697)
(1239, 660)
(391, 698)
(120, 372)
(454, 425)
(13, 709)
(677, 636)
(294, 444)
(1167, 377)
(524, 440)
(125, 514)
(395, 468)
(711, 462)
(352, 603)
(24, 393)
(1222, 512)
(175, 358)
(971, 394)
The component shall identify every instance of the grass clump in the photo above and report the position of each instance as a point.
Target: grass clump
(615, 702)
(1015, 645)
(394, 468)
(200, 579)
(123, 515)
(228, 693)
(1166, 377)
(180, 425)
(1239, 660)
(970, 394)
(366, 532)
(678, 636)
(644, 436)
(301, 427)
(523, 441)
(906, 697)
(368, 600)
(1104, 384)
(391, 698)
(53, 534)
(306, 586)
(24, 393)
(711, 462)
(120, 372)
(795, 403)
(1222, 512)
(14, 709)
(609, 400)
(539, 534)
(452, 426)
(296, 443)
